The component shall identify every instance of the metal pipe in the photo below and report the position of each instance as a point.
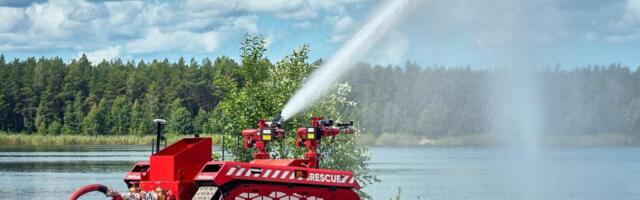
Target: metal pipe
(158, 137)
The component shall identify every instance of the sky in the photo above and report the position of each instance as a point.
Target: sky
(572, 33)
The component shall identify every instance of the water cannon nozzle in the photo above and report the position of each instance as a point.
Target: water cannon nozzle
(277, 121)
(345, 125)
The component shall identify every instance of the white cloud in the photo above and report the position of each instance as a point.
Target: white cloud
(303, 24)
(208, 8)
(47, 20)
(98, 56)
(621, 38)
(627, 28)
(123, 18)
(284, 9)
(158, 41)
(304, 12)
(244, 23)
(11, 18)
(146, 27)
(342, 28)
(633, 10)
(270, 5)
(344, 24)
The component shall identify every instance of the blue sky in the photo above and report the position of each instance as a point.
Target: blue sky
(443, 32)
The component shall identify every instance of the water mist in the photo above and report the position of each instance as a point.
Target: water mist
(329, 72)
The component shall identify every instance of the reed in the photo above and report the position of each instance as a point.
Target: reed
(385, 139)
(23, 139)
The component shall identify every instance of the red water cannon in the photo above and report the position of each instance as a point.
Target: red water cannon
(259, 138)
(311, 137)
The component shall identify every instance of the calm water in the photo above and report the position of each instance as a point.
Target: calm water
(422, 173)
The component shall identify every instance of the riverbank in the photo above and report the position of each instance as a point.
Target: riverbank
(23, 139)
(387, 139)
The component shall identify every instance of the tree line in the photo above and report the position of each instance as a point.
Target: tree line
(437, 101)
(49, 96)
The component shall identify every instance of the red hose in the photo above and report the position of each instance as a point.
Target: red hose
(92, 188)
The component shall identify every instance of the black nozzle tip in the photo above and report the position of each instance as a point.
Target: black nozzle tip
(346, 124)
(277, 120)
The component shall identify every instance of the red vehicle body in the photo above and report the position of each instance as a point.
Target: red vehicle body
(184, 170)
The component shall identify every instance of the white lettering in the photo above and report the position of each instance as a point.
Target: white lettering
(329, 178)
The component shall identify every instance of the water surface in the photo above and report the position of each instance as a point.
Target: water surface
(423, 173)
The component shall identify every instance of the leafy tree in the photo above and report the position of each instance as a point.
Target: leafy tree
(152, 104)
(254, 65)
(74, 114)
(201, 122)
(69, 121)
(28, 109)
(42, 118)
(137, 82)
(139, 122)
(265, 98)
(95, 123)
(55, 128)
(120, 116)
(180, 120)
(76, 80)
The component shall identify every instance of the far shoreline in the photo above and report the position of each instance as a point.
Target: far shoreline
(382, 140)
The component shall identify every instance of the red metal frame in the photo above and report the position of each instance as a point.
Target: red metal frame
(320, 130)
(241, 172)
(174, 167)
(135, 174)
(281, 192)
(178, 171)
(254, 137)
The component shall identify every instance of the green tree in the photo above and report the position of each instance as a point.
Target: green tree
(120, 115)
(28, 109)
(55, 128)
(95, 123)
(254, 65)
(42, 118)
(74, 114)
(137, 82)
(152, 104)
(180, 119)
(139, 122)
(201, 122)
(265, 98)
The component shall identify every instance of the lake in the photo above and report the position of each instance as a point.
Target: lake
(53, 172)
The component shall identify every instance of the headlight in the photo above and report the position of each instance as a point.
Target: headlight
(266, 137)
(266, 134)
(311, 133)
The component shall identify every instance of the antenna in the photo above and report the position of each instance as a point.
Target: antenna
(159, 123)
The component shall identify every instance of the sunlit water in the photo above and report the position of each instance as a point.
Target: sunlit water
(424, 173)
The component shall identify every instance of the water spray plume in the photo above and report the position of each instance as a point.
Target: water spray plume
(329, 72)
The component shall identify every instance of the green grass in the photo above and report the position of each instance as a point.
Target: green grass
(385, 139)
(23, 139)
